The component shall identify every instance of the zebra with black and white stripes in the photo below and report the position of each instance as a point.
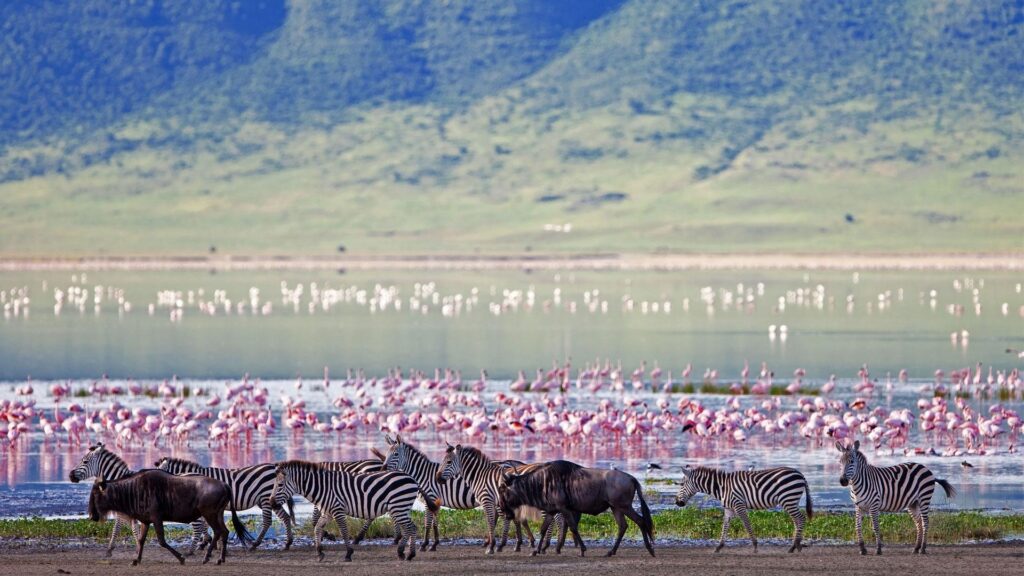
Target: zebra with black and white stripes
(483, 476)
(750, 490)
(874, 489)
(99, 462)
(251, 487)
(404, 457)
(367, 466)
(340, 494)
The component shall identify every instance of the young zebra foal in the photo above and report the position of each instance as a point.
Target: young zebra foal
(340, 494)
(749, 490)
(908, 486)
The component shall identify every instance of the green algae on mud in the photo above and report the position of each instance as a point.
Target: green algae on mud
(686, 523)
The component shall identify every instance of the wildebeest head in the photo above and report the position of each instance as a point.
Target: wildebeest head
(687, 487)
(509, 494)
(98, 499)
(90, 465)
(451, 466)
(850, 459)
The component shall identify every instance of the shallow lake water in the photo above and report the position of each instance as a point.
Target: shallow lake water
(150, 326)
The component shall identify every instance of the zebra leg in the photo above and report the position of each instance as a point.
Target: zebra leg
(742, 513)
(288, 521)
(620, 519)
(140, 542)
(924, 529)
(504, 533)
(725, 529)
(160, 538)
(437, 536)
(492, 520)
(113, 535)
(362, 531)
(798, 525)
(913, 511)
(544, 527)
(878, 532)
(428, 516)
(316, 518)
(318, 536)
(339, 517)
(199, 541)
(408, 531)
(858, 525)
(268, 517)
(563, 529)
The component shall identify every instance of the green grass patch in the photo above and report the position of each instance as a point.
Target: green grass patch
(691, 523)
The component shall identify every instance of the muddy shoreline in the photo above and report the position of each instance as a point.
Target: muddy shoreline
(52, 557)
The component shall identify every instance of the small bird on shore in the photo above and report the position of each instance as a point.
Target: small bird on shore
(966, 464)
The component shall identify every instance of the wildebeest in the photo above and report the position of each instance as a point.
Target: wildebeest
(155, 497)
(562, 487)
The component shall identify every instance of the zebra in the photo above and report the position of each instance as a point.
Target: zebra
(250, 488)
(404, 457)
(101, 463)
(750, 490)
(483, 476)
(340, 494)
(351, 467)
(908, 486)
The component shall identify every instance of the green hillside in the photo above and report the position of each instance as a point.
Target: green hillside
(405, 126)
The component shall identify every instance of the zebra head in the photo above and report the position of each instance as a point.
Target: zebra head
(451, 466)
(397, 459)
(851, 460)
(90, 465)
(284, 486)
(687, 487)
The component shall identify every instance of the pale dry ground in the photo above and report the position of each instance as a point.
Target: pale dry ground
(989, 560)
(849, 262)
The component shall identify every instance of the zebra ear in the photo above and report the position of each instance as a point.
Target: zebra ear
(856, 444)
(840, 447)
(387, 438)
(449, 446)
(398, 438)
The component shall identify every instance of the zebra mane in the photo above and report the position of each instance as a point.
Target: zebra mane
(302, 465)
(474, 452)
(416, 451)
(102, 451)
(183, 462)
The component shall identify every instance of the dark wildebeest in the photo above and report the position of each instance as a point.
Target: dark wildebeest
(562, 487)
(155, 497)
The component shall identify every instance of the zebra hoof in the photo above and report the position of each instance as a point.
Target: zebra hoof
(610, 554)
(135, 562)
(181, 561)
(489, 552)
(533, 553)
(219, 562)
(320, 556)
(878, 552)
(110, 553)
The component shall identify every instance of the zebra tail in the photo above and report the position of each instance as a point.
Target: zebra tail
(645, 511)
(809, 506)
(433, 504)
(243, 535)
(950, 491)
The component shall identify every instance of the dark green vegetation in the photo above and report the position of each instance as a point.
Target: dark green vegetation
(173, 127)
(688, 523)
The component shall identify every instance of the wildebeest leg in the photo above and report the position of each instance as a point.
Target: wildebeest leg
(639, 521)
(573, 521)
(529, 534)
(544, 527)
(159, 525)
(220, 535)
(339, 517)
(267, 519)
(140, 542)
(287, 520)
(620, 520)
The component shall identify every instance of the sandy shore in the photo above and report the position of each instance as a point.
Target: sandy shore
(850, 262)
(991, 560)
